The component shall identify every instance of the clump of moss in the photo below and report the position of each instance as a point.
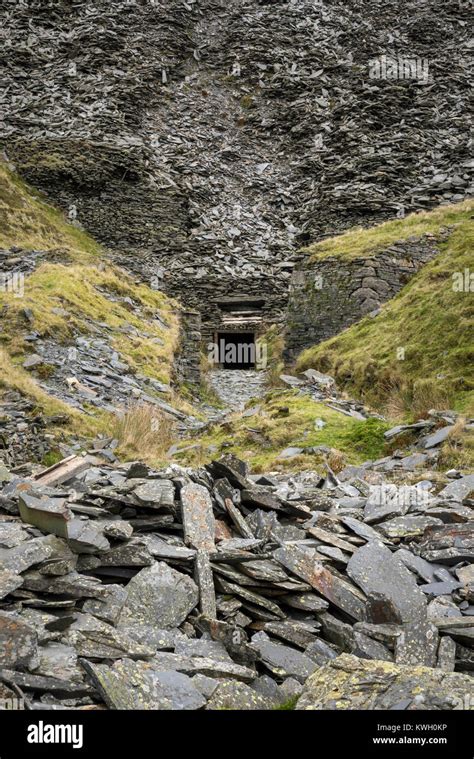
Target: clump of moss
(289, 705)
(247, 102)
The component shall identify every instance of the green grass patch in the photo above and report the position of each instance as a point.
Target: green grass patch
(69, 293)
(430, 319)
(359, 242)
(27, 222)
(287, 419)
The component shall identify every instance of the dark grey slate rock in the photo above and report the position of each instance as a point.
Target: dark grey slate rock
(436, 438)
(237, 696)
(363, 684)
(159, 595)
(198, 517)
(231, 468)
(96, 639)
(59, 661)
(152, 689)
(407, 526)
(108, 607)
(458, 489)
(26, 554)
(320, 652)
(50, 515)
(445, 588)
(281, 660)
(155, 494)
(18, 642)
(204, 578)
(376, 570)
(133, 553)
(340, 592)
(84, 536)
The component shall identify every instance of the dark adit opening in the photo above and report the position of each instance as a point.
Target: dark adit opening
(236, 350)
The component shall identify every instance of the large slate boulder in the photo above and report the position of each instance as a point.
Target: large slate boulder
(352, 683)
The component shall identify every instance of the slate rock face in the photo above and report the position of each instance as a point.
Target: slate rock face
(351, 683)
(159, 596)
(283, 128)
(136, 685)
(374, 568)
(379, 573)
(459, 489)
(234, 695)
(348, 294)
(198, 519)
(18, 642)
(282, 660)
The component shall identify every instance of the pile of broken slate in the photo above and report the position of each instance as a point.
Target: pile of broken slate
(122, 587)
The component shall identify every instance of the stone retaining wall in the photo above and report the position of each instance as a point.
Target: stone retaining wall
(188, 361)
(327, 296)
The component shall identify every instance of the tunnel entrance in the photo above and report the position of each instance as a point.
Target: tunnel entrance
(236, 350)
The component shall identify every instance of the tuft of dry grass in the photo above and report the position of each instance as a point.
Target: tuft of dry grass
(418, 398)
(458, 450)
(337, 460)
(144, 432)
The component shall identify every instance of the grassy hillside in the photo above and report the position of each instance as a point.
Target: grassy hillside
(285, 419)
(431, 319)
(72, 290)
(358, 241)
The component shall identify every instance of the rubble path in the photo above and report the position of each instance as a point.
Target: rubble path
(235, 387)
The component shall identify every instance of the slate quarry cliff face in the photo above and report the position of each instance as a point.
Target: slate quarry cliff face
(203, 142)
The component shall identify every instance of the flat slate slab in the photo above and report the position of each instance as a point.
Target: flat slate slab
(340, 592)
(282, 660)
(155, 494)
(160, 596)
(352, 683)
(458, 489)
(198, 517)
(27, 554)
(18, 642)
(437, 437)
(85, 536)
(376, 570)
(136, 685)
(233, 695)
(48, 514)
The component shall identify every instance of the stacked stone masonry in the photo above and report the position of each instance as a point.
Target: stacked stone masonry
(328, 295)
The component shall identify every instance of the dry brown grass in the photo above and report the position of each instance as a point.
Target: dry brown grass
(337, 460)
(458, 450)
(144, 432)
(416, 399)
